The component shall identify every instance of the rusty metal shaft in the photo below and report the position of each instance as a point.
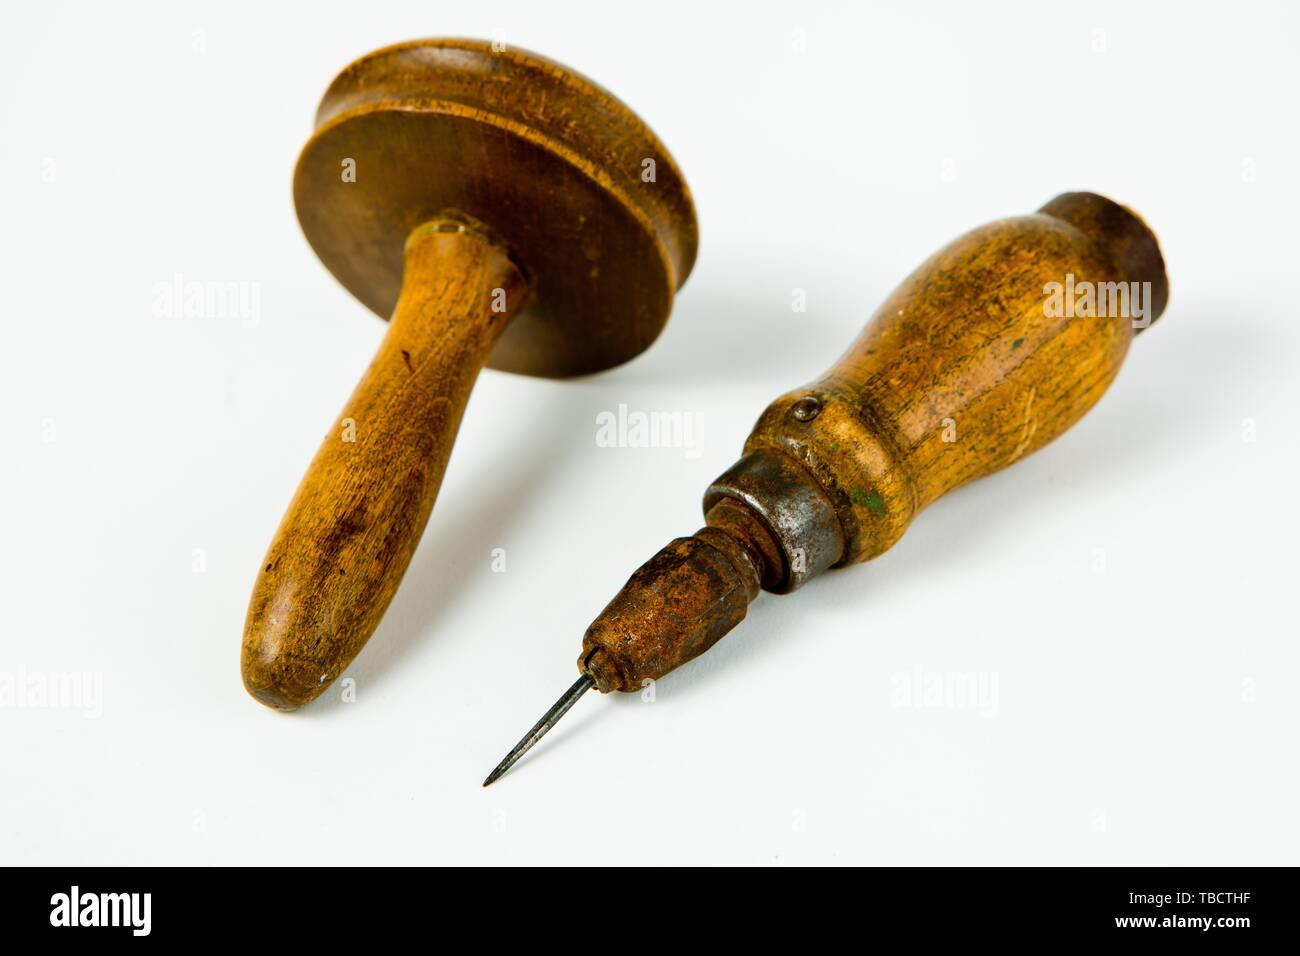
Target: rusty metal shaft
(835, 471)
(681, 602)
(769, 526)
(684, 599)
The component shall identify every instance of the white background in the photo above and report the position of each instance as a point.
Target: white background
(1130, 588)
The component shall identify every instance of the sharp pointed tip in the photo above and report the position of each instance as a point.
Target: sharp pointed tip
(560, 708)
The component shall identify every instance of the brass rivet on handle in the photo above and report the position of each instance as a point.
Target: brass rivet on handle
(806, 408)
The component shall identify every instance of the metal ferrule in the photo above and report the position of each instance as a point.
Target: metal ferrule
(792, 504)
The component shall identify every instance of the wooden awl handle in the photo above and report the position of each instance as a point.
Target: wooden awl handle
(990, 349)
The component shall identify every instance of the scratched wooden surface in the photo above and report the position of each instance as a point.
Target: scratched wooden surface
(350, 531)
(442, 174)
(586, 198)
(962, 371)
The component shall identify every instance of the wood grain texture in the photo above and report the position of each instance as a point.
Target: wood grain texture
(351, 529)
(582, 203)
(587, 199)
(962, 371)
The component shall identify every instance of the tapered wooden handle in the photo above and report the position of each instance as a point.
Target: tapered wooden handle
(345, 542)
(993, 347)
